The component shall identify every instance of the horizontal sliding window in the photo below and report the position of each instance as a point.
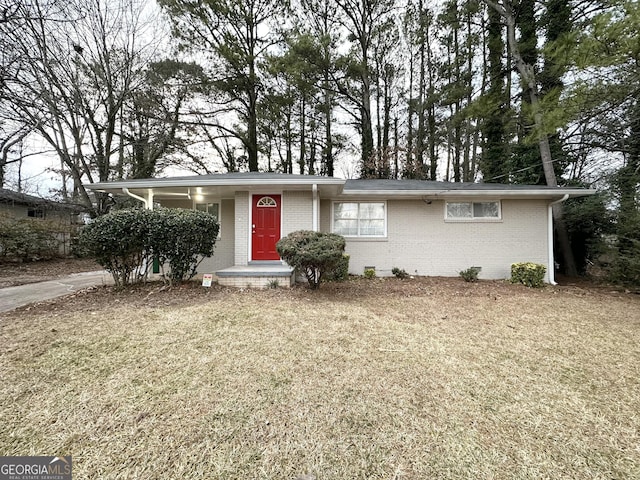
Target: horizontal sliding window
(359, 219)
(472, 210)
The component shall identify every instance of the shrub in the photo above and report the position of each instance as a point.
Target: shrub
(625, 265)
(369, 273)
(529, 274)
(341, 270)
(119, 241)
(471, 274)
(399, 273)
(26, 239)
(625, 268)
(125, 241)
(313, 253)
(182, 238)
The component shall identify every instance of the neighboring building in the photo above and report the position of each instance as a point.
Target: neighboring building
(21, 205)
(62, 216)
(425, 228)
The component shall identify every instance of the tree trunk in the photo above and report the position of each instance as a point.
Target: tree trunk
(302, 161)
(527, 74)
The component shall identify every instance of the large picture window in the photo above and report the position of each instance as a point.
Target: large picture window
(473, 210)
(359, 219)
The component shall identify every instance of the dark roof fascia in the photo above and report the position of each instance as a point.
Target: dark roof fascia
(418, 188)
(18, 198)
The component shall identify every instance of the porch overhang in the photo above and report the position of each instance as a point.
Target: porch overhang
(220, 185)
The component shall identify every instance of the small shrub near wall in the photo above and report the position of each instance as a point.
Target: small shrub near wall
(529, 274)
(313, 254)
(400, 273)
(471, 274)
(182, 238)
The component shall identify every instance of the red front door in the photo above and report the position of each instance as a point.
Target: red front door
(265, 232)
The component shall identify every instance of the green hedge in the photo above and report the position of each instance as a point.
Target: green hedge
(528, 273)
(27, 239)
(124, 242)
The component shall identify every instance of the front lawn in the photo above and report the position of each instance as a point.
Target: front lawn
(421, 379)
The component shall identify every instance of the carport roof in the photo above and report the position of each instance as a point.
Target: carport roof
(225, 184)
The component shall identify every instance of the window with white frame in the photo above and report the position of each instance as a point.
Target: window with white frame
(212, 208)
(473, 210)
(359, 219)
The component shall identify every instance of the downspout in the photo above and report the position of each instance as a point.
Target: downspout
(137, 197)
(314, 208)
(552, 263)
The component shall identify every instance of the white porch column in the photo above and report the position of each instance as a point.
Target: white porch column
(150, 199)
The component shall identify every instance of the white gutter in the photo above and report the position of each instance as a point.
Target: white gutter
(552, 263)
(315, 207)
(208, 182)
(133, 195)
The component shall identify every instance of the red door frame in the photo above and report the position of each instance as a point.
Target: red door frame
(266, 223)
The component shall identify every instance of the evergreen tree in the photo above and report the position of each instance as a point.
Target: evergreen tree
(495, 164)
(235, 35)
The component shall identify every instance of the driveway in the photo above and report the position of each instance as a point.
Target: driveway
(14, 297)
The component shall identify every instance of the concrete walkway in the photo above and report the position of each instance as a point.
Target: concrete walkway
(14, 297)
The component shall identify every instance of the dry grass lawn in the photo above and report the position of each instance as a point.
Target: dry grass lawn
(424, 379)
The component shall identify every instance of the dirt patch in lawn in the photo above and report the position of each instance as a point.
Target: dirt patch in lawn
(356, 289)
(12, 274)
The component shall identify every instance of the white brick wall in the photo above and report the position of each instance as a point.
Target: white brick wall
(421, 242)
(297, 213)
(241, 256)
(223, 255)
(255, 282)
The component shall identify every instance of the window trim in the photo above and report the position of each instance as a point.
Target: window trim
(359, 202)
(36, 212)
(266, 201)
(212, 201)
(472, 218)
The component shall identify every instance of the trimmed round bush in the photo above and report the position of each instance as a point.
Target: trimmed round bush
(182, 238)
(313, 253)
(119, 242)
(528, 273)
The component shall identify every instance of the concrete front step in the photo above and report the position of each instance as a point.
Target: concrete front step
(256, 276)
